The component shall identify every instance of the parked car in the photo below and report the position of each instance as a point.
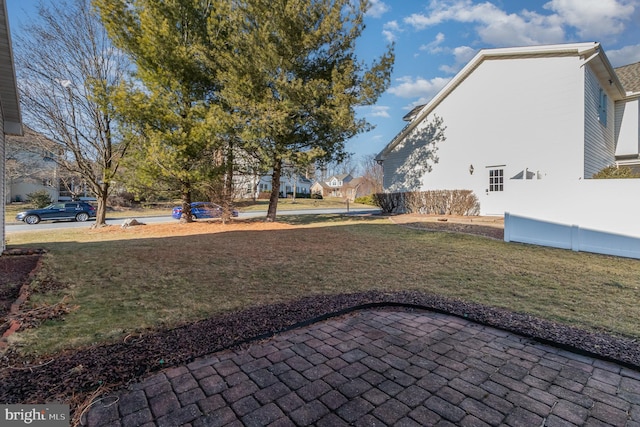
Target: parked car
(76, 211)
(202, 210)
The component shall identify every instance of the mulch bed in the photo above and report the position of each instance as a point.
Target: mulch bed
(72, 376)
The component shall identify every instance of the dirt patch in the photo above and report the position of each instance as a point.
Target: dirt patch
(197, 227)
(15, 271)
(492, 227)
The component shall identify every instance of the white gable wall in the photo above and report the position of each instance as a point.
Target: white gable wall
(513, 114)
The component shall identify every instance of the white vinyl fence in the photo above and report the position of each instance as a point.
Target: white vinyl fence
(600, 216)
(544, 233)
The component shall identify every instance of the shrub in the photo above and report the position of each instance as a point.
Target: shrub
(316, 196)
(299, 195)
(365, 200)
(616, 172)
(389, 202)
(439, 202)
(122, 199)
(40, 198)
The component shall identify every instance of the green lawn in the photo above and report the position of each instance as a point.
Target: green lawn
(123, 281)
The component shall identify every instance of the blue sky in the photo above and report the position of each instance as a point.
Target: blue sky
(434, 39)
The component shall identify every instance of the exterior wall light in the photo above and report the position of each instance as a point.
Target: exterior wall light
(471, 169)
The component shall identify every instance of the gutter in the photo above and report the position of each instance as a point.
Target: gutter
(615, 81)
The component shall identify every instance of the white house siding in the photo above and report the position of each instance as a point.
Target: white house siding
(599, 147)
(516, 114)
(3, 187)
(627, 130)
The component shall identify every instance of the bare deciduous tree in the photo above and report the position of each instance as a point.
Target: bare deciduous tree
(67, 68)
(372, 173)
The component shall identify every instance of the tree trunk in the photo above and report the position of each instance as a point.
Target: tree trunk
(227, 195)
(186, 203)
(295, 186)
(101, 211)
(275, 191)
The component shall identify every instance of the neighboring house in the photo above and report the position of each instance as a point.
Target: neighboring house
(31, 166)
(627, 152)
(344, 186)
(252, 187)
(526, 129)
(10, 119)
(334, 186)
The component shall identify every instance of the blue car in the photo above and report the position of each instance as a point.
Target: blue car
(76, 211)
(202, 210)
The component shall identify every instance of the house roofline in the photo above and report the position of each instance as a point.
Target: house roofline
(610, 71)
(571, 49)
(8, 88)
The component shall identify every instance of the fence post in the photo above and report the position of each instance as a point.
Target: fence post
(575, 238)
(507, 227)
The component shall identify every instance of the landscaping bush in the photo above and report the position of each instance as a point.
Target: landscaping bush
(299, 195)
(389, 202)
(365, 200)
(438, 202)
(316, 196)
(40, 198)
(123, 199)
(616, 172)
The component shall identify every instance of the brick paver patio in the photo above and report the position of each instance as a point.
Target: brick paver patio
(383, 367)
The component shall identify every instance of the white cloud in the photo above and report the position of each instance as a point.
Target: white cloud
(624, 56)
(493, 25)
(434, 46)
(594, 18)
(462, 55)
(378, 8)
(456, 10)
(410, 87)
(390, 29)
(589, 19)
(380, 111)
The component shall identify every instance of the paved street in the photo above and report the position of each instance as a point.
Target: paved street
(383, 367)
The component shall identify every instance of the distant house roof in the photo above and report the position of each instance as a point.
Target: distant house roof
(31, 137)
(321, 184)
(629, 76)
(341, 177)
(355, 182)
(8, 90)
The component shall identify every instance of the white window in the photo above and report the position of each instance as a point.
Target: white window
(496, 179)
(602, 108)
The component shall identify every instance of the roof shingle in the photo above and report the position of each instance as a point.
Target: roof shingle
(629, 76)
